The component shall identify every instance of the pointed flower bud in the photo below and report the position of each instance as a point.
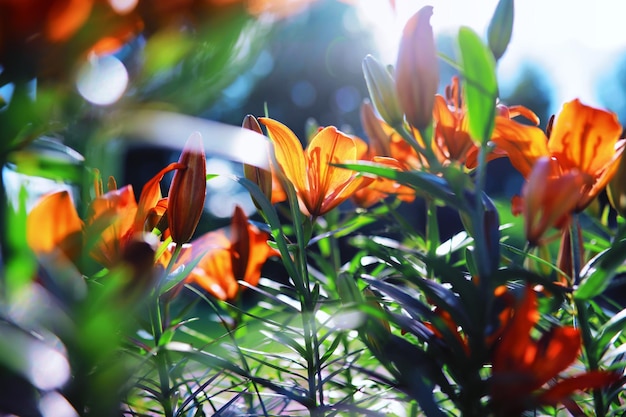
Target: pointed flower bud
(379, 141)
(259, 176)
(381, 87)
(500, 28)
(417, 73)
(187, 191)
(616, 188)
(549, 198)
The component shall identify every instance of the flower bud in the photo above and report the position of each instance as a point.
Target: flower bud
(378, 139)
(417, 73)
(187, 191)
(259, 176)
(616, 189)
(500, 28)
(381, 87)
(549, 198)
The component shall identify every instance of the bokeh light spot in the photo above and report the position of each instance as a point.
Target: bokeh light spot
(54, 404)
(123, 6)
(303, 94)
(102, 80)
(48, 368)
(347, 98)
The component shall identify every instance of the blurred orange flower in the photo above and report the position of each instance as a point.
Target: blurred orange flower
(46, 38)
(522, 366)
(584, 140)
(53, 224)
(227, 260)
(320, 187)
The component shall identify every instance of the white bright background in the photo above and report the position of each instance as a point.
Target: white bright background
(574, 41)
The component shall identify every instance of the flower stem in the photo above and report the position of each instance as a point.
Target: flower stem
(582, 314)
(156, 319)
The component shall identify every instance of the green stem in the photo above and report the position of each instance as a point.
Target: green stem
(583, 314)
(156, 319)
(5, 248)
(482, 258)
(307, 303)
(432, 229)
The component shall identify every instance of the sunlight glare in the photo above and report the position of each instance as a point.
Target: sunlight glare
(123, 6)
(102, 80)
(448, 16)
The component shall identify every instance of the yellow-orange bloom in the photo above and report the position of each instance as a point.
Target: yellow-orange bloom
(320, 186)
(114, 218)
(583, 139)
(522, 365)
(228, 260)
(54, 224)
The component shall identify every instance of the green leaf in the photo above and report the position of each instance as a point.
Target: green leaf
(500, 28)
(597, 274)
(607, 333)
(165, 50)
(425, 183)
(480, 85)
(21, 267)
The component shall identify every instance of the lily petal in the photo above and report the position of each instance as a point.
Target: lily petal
(289, 152)
(584, 137)
(563, 389)
(54, 223)
(523, 144)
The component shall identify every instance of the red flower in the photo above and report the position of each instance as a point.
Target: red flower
(522, 366)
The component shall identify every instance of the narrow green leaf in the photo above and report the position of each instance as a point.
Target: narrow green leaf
(480, 85)
(21, 266)
(608, 332)
(597, 274)
(425, 183)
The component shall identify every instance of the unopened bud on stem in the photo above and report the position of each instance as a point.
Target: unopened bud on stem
(187, 191)
(417, 72)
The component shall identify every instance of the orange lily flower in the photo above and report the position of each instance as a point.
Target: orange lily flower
(228, 260)
(114, 218)
(451, 140)
(320, 187)
(522, 366)
(54, 224)
(583, 140)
